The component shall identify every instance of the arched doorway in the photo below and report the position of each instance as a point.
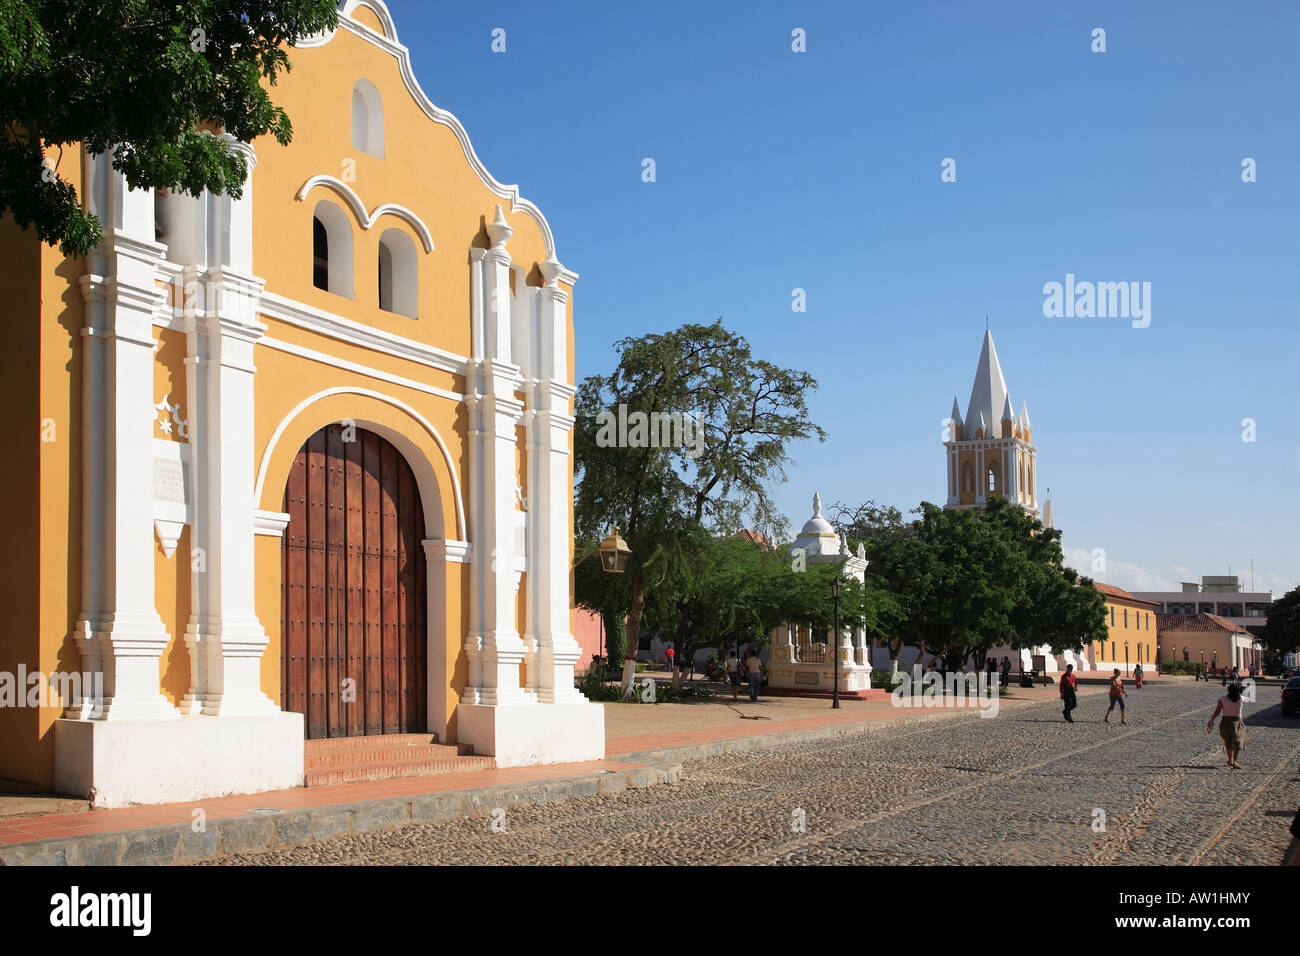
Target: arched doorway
(352, 608)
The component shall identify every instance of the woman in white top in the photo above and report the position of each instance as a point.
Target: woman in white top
(1231, 728)
(733, 675)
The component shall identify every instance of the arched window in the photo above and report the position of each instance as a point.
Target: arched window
(331, 233)
(320, 255)
(994, 484)
(398, 284)
(367, 119)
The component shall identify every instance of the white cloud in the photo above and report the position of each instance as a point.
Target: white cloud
(1133, 577)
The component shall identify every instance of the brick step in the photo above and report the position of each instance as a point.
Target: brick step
(389, 769)
(385, 740)
(874, 693)
(382, 753)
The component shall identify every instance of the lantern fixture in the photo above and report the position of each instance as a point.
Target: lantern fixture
(614, 553)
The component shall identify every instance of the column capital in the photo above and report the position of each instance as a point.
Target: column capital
(239, 146)
(270, 523)
(447, 550)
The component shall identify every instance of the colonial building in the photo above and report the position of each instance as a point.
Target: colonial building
(1207, 639)
(1132, 634)
(305, 459)
(990, 451)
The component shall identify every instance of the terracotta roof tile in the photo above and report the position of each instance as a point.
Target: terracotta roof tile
(754, 538)
(1109, 590)
(1197, 622)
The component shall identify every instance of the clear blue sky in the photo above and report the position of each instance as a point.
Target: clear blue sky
(821, 170)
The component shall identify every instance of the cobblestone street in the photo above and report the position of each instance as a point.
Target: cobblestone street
(1022, 787)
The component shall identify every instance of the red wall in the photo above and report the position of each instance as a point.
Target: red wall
(589, 631)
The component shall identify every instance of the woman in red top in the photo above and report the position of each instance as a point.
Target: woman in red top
(1117, 695)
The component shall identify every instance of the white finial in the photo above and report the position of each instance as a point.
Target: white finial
(862, 552)
(551, 271)
(499, 230)
(844, 546)
(817, 505)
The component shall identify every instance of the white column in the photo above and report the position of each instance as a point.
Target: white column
(500, 650)
(551, 498)
(119, 629)
(225, 638)
(438, 553)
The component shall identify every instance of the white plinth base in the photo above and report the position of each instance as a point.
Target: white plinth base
(521, 735)
(165, 761)
(818, 676)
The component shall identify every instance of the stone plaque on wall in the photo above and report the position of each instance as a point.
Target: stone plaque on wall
(169, 480)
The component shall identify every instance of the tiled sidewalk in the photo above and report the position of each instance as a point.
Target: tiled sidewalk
(66, 825)
(165, 834)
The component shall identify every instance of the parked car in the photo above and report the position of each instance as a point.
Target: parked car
(1291, 697)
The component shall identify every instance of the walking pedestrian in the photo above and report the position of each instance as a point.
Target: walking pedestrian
(1223, 674)
(1117, 695)
(1069, 692)
(733, 675)
(1137, 676)
(1200, 673)
(755, 667)
(1231, 728)
(668, 658)
(1006, 672)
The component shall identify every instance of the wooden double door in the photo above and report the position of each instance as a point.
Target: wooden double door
(353, 604)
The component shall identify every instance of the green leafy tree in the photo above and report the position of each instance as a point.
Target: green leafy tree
(966, 580)
(732, 591)
(1282, 633)
(149, 81)
(615, 637)
(750, 411)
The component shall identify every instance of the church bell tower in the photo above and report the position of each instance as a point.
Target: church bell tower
(990, 451)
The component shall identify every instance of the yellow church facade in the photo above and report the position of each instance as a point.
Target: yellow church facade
(305, 457)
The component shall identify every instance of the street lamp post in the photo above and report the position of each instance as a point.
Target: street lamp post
(836, 584)
(1126, 658)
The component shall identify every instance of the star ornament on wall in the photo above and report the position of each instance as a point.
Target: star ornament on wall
(166, 409)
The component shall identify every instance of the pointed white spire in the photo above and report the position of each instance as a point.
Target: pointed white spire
(844, 546)
(956, 413)
(989, 393)
(982, 425)
(1008, 416)
(1024, 415)
(862, 552)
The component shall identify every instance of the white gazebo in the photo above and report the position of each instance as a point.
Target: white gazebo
(802, 663)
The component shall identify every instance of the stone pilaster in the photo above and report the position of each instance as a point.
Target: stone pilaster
(494, 646)
(225, 638)
(119, 630)
(558, 650)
